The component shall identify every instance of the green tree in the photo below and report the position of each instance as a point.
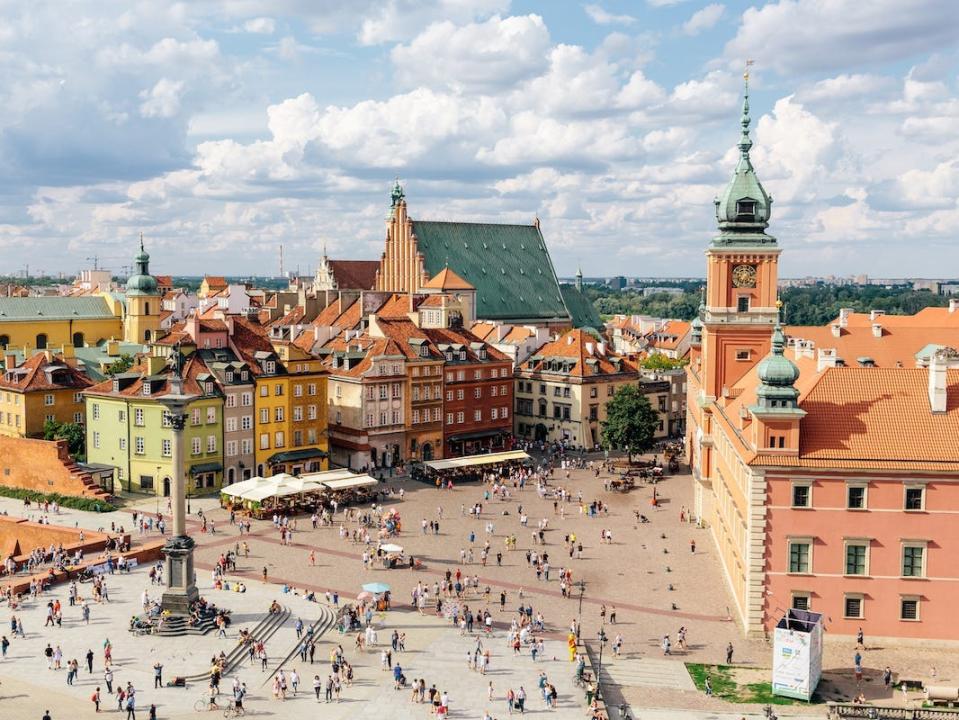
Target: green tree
(121, 364)
(73, 433)
(630, 422)
(658, 361)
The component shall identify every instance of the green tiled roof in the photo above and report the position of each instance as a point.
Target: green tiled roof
(53, 308)
(582, 311)
(508, 265)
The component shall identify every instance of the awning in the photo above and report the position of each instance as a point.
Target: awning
(477, 460)
(98, 469)
(205, 468)
(479, 434)
(351, 482)
(295, 455)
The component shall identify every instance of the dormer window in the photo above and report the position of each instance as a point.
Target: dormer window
(116, 386)
(481, 353)
(208, 388)
(449, 355)
(746, 210)
(245, 375)
(269, 367)
(462, 354)
(229, 377)
(424, 351)
(146, 387)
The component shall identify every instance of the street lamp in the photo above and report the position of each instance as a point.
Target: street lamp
(599, 670)
(181, 589)
(581, 585)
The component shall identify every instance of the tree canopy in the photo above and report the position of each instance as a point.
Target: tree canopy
(630, 422)
(73, 433)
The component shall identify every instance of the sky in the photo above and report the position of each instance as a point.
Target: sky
(223, 129)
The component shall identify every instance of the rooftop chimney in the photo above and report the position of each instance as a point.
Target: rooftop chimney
(953, 304)
(836, 329)
(940, 361)
(876, 329)
(873, 314)
(844, 314)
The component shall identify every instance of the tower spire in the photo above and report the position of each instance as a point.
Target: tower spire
(745, 143)
(141, 241)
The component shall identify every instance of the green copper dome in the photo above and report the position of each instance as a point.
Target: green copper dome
(142, 282)
(744, 207)
(777, 376)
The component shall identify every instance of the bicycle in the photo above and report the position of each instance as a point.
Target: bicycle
(232, 711)
(204, 704)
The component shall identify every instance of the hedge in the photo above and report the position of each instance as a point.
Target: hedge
(67, 501)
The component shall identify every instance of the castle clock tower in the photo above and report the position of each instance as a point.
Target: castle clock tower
(741, 277)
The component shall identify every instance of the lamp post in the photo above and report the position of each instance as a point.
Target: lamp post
(181, 589)
(599, 669)
(581, 584)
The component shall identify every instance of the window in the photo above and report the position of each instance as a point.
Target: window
(166, 447)
(742, 355)
(123, 443)
(96, 438)
(246, 447)
(139, 445)
(449, 396)
(800, 600)
(279, 439)
(195, 419)
(478, 393)
(278, 389)
(460, 394)
(311, 412)
(246, 422)
(196, 446)
(297, 413)
(383, 392)
(264, 415)
(211, 415)
(504, 412)
(264, 441)
(231, 448)
(246, 399)
(459, 417)
(915, 497)
(231, 400)
(493, 391)
(493, 414)
(856, 557)
(436, 414)
(477, 415)
(96, 411)
(610, 390)
(298, 438)
(208, 388)
(593, 391)
(913, 560)
(852, 606)
(138, 417)
(449, 377)
(396, 390)
(745, 210)
(449, 418)
(269, 367)
(146, 482)
(460, 375)
(416, 392)
(279, 414)
(78, 418)
(395, 417)
(264, 390)
(382, 418)
(909, 608)
(802, 496)
(477, 374)
(48, 399)
(298, 390)
(416, 417)
(211, 443)
(742, 303)
(369, 420)
(800, 552)
(231, 424)
(856, 497)
(311, 389)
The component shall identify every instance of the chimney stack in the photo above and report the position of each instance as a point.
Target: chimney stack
(953, 305)
(844, 314)
(939, 363)
(876, 330)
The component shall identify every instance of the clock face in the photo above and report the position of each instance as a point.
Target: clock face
(744, 276)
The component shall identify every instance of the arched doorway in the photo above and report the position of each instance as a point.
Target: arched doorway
(78, 339)
(259, 469)
(231, 475)
(166, 487)
(540, 432)
(373, 457)
(42, 341)
(427, 451)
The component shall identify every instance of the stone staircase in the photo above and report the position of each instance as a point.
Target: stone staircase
(178, 626)
(90, 487)
(264, 630)
(322, 625)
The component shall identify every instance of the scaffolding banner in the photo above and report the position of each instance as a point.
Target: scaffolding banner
(797, 654)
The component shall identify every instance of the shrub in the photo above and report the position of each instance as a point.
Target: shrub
(67, 501)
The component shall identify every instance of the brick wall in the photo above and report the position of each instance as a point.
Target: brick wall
(44, 466)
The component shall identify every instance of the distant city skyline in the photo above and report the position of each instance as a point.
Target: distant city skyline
(222, 130)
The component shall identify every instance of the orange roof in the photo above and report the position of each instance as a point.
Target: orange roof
(517, 335)
(397, 306)
(164, 280)
(446, 279)
(32, 375)
(214, 281)
(354, 274)
(587, 361)
(670, 335)
(482, 329)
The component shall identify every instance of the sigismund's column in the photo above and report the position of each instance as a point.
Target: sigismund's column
(181, 589)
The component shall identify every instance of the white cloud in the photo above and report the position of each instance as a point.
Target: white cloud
(260, 25)
(797, 36)
(704, 19)
(845, 87)
(600, 16)
(397, 20)
(162, 100)
(477, 56)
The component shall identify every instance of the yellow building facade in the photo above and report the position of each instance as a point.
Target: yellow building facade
(42, 389)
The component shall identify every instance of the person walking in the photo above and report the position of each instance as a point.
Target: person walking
(89, 657)
(317, 686)
(729, 654)
(95, 699)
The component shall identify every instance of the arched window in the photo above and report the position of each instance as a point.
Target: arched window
(78, 339)
(146, 336)
(146, 308)
(4, 341)
(42, 341)
(231, 475)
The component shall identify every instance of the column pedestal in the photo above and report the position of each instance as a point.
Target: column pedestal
(181, 591)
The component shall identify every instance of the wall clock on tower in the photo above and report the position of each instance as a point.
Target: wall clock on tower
(744, 276)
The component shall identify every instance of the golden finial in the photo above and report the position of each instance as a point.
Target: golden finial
(746, 72)
(779, 303)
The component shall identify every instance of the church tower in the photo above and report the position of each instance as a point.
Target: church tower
(741, 276)
(401, 265)
(142, 321)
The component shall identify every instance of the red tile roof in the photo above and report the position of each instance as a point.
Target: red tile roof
(354, 274)
(31, 376)
(574, 346)
(446, 279)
